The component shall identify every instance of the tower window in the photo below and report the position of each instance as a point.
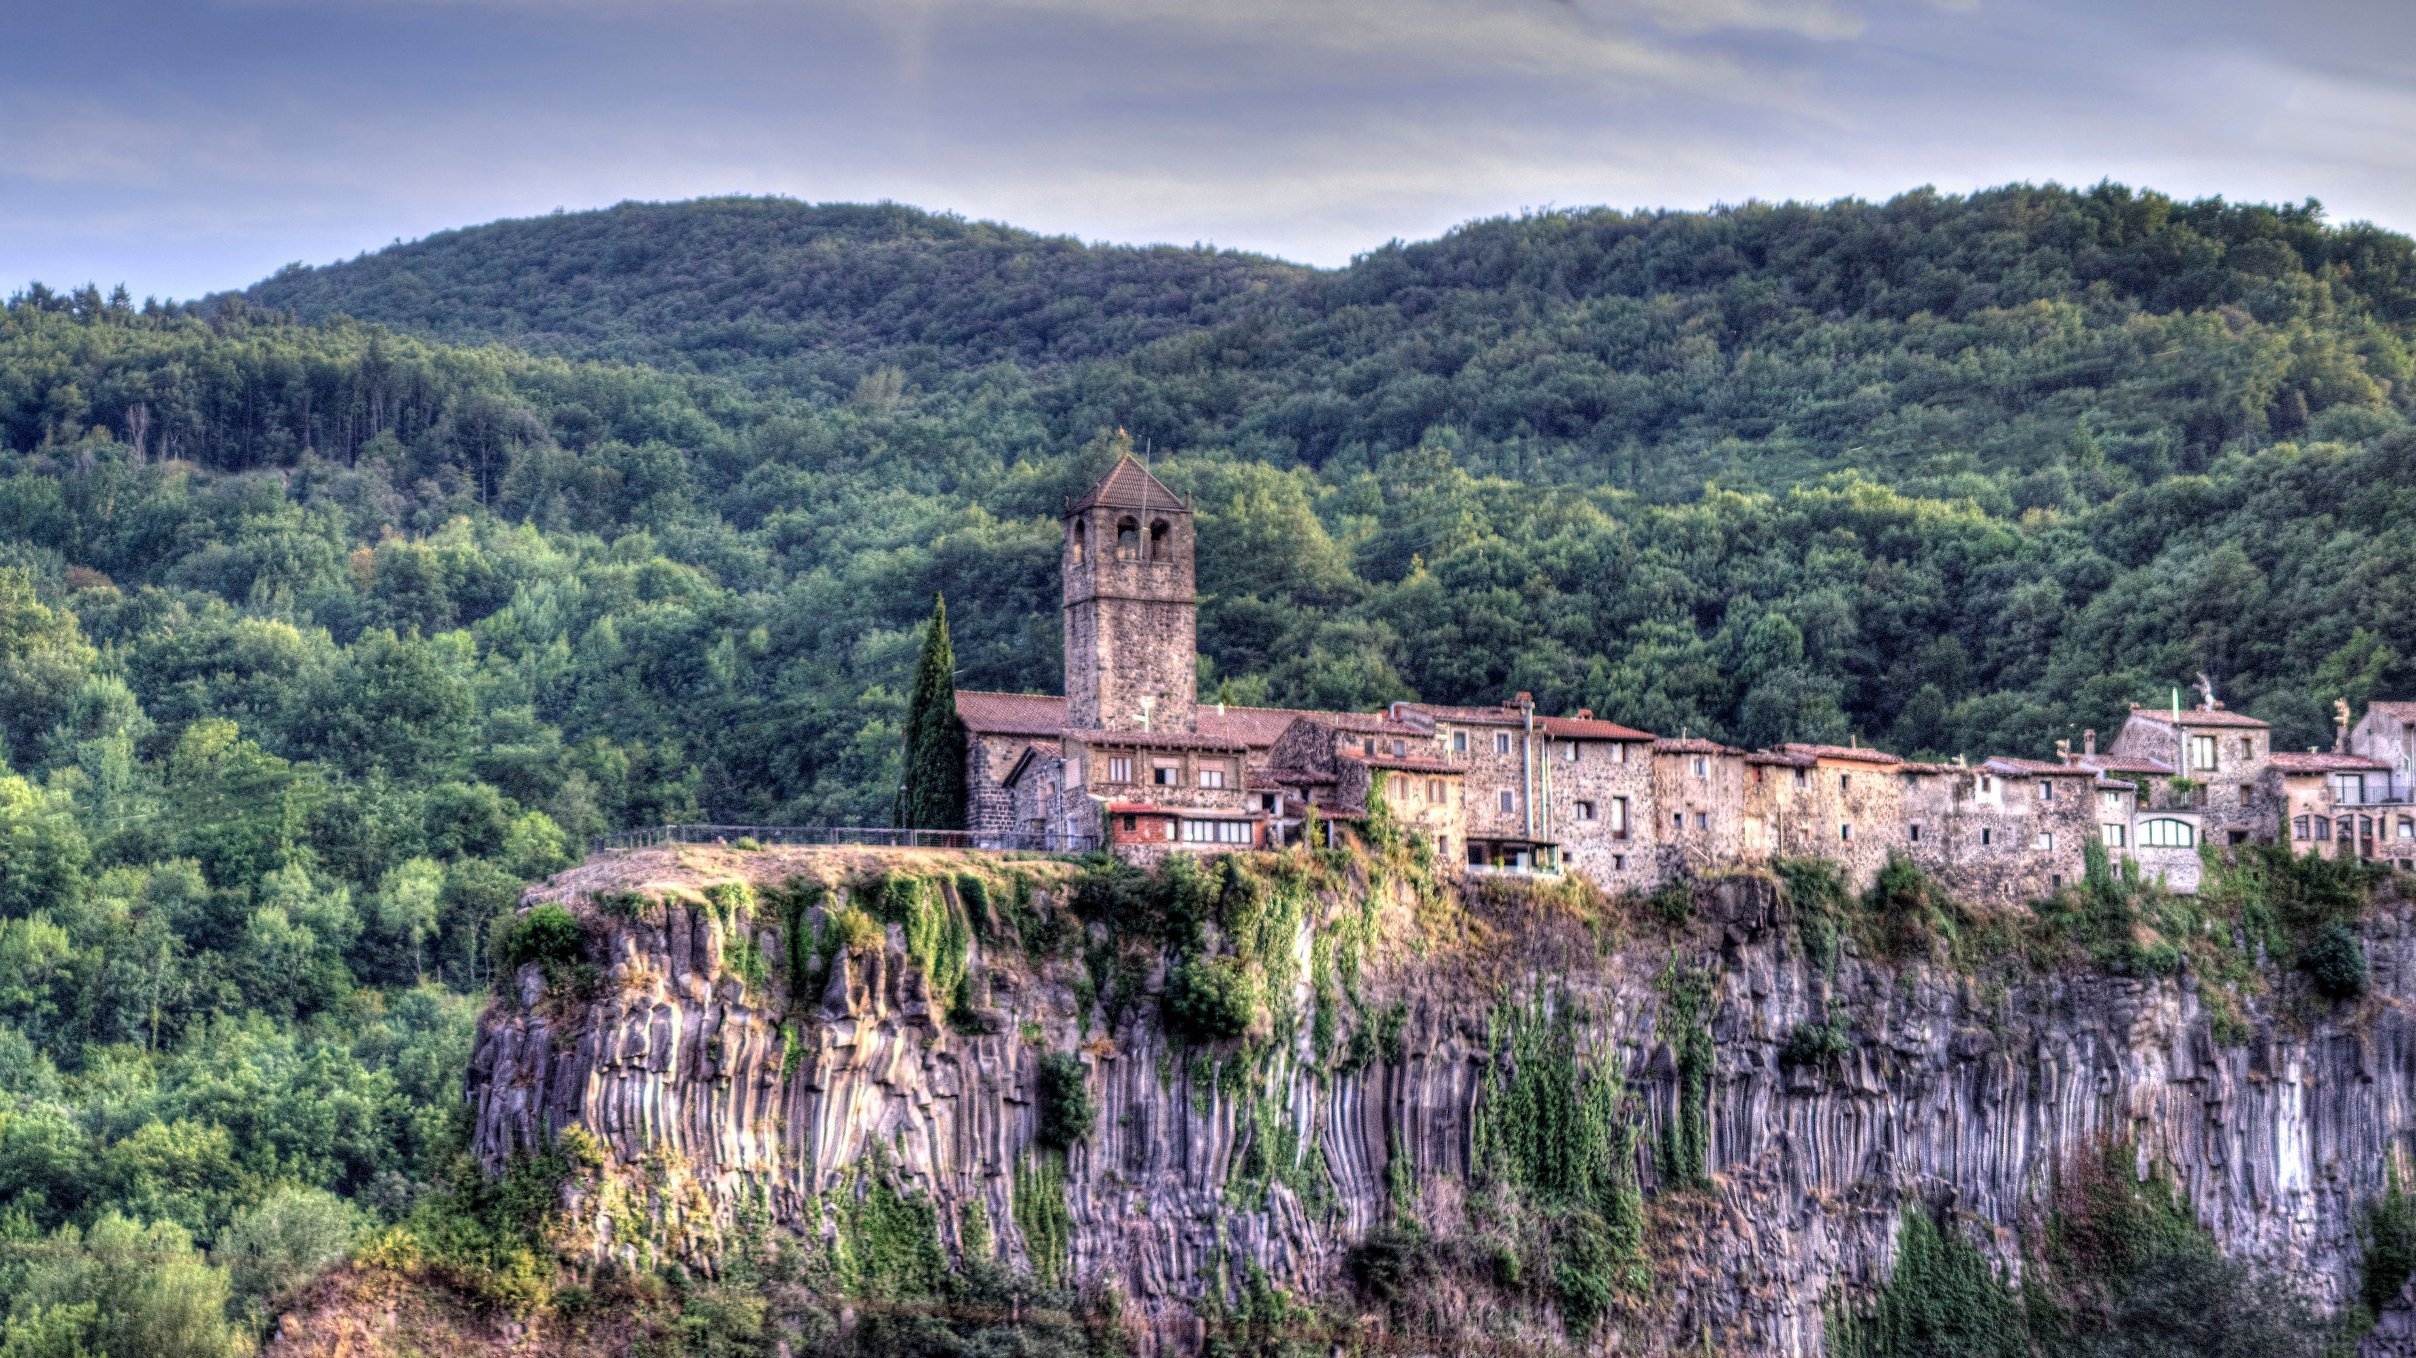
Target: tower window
(1128, 539)
(1501, 742)
(1082, 541)
(1158, 539)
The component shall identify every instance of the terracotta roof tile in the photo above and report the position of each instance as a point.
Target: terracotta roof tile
(1590, 728)
(1129, 485)
(1404, 763)
(2035, 768)
(1856, 753)
(1010, 714)
(1691, 745)
(2325, 762)
(2199, 716)
(2126, 763)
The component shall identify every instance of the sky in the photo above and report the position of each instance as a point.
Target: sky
(186, 146)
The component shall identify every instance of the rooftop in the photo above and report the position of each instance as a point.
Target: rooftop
(2200, 716)
(1129, 485)
(2323, 762)
(1691, 745)
(1856, 753)
(1589, 727)
(2035, 768)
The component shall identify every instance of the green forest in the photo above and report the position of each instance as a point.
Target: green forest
(332, 611)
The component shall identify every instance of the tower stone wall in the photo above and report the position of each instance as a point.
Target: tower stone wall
(1131, 608)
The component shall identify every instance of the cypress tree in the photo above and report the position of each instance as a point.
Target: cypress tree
(931, 782)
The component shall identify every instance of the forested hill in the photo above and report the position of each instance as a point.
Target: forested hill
(317, 636)
(804, 297)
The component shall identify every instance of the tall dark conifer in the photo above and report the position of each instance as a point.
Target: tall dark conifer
(931, 785)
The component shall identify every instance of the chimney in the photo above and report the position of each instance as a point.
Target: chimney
(1585, 714)
(2088, 742)
(1523, 700)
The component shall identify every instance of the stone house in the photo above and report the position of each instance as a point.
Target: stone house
(2217, 757)
(1502, 749)
(1699, 807)
(1335, 764)
(1845, 804)
(1596, 796)
(2341, 805)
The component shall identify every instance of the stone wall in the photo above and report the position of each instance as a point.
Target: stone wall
(1614, 855)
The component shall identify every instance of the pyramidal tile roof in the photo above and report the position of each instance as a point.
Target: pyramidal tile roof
(1129, 485)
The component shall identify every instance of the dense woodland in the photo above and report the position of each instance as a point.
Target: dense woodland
(331, 611)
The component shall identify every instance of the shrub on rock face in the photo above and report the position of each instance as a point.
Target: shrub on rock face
(547, 935)
(2336, 963)
(1067, 1111)
(1209, 999)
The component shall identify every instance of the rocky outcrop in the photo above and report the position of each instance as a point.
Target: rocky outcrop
(717, 1094)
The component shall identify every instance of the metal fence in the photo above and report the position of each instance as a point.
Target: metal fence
(873, 836)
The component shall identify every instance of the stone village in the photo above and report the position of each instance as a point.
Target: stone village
(1130, 756)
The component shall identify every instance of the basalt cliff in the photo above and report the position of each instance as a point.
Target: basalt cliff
(1331, 1089)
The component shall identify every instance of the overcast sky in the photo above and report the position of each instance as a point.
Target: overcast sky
(184, 146)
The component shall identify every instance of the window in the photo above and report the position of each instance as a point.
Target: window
(1702, 820)
(1845, 834)
(2348, 828)
(1459, 742)
(2046, 787)
(1215, 774)
(2365, 827)
(2407, 827)
(2247, 792)
(1845, 782)
(1678, 821)
(1618, 754)
(1914, 831)
(1166, 773)
(1128, 539)
(1119, 768)
(2349, 789)
(1987, 836)
(1585, 811)
(2248, 748)
(1082, 541)
(1571, 747)
(2299, 828)
(1508, 800)
(1618, 862)
(1216, 832)
(2055, 881)
(2164, 832)
(1988, 785)
(1702, 767)
(1131, 823)
(2043, 841)
(1434, 791)
(2114, 833)
(1803, 777)
(2323, 829)
(1619, 817)
(2202, 752)
(1158, 535)
(1501, 742)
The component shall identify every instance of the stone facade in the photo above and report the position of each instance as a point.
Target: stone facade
(2217, 755)
(1700, 809)
(1131, 607)
(1597, 799)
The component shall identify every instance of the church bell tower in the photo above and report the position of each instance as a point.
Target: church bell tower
(1131, 606)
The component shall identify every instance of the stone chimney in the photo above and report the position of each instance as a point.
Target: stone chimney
(1585, 714)
(2088, 742)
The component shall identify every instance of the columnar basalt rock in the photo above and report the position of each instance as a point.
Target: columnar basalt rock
(717, 1095)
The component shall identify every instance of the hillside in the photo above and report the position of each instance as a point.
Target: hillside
(806, 297)
(319, 637)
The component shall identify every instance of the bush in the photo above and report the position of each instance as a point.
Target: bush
(2335, 963)
(1067, 1111)
(1210, 999)
(548, 935)
(1819, 1046)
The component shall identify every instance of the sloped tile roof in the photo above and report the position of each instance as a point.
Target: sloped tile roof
(2036, 768)
(2201, 716)
(1129, 485)
(1857, 753)
(2323, 762)
(1590, 728)
(1010, 714)
(1691, 745)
